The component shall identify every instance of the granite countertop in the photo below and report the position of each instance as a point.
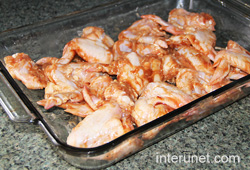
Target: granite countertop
(26, 146)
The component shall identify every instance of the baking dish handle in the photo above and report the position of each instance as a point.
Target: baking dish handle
(11, 100)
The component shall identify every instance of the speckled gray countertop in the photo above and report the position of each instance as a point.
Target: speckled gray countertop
(26, 146)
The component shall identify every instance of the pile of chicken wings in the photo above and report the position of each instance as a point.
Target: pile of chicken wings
(156, 66)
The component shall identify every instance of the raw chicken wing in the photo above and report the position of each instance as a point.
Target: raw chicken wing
(234, 56)
(157, 99)
(101, 127)
(21, 67)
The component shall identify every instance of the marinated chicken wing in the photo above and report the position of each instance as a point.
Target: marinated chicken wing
(184, 24)
(196, 83)
(234, 56)
(142, 28)
(97, 34)
(170, 67)
(181, 18)
(129, 70)
(168, 27)
(105, 126)
(21, 67)
(67, 82)
(157, 99)
(73, 74)
(46, 61)
(94, 46)
(57, 99)
(124, 47)
(89, 50)
(143, 37)
(81, 109)
(191, 58)
(204, 40)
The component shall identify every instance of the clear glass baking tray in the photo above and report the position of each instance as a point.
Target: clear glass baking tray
(48, 39)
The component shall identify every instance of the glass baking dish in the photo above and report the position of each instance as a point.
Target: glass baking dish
(48, 39)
